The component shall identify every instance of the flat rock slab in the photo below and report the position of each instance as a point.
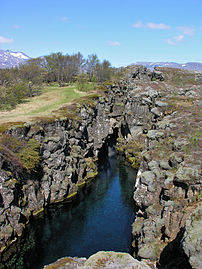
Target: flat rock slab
(102, 259)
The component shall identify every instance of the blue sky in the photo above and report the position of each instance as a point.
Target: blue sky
(122, 32)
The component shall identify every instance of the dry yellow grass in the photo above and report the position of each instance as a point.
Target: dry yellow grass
(51, 99)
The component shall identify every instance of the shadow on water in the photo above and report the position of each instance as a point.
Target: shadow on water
(101, 221)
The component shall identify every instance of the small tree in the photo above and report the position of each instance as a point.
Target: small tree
(82, 82)
(31, 74)
(91, 65)
(103, 71)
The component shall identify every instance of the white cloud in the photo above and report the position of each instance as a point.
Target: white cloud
(138, 24)
(64, 19)
(15, 26)
(175, 40)
(179, 38)
(161, 26)
(113, 43)
(151, 25)
(5, 40)
(186, 30)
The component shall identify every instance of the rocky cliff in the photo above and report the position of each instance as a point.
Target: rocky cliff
(156, 125)
(168, 185)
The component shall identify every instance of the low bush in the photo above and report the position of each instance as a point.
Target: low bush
(19, 156)
(12, 95)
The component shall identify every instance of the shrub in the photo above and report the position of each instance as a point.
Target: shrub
(12, 95)
(29, 156)
(10, 159)
(83, 84)
(19, 155)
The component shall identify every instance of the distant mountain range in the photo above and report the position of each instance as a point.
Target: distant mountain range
(10, 58)
(187, 66)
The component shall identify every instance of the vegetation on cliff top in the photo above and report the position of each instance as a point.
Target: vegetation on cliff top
(42, 86)
(27, 80)
(19, 156)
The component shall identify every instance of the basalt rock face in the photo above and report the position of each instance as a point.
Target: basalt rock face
(157, 129)
(191, 241)
(140, 72)
(68, 150)
(168, 186)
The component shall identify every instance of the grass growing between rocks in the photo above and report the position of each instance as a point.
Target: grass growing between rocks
(178, 77)
(131, 150)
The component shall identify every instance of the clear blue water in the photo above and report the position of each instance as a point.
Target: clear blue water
(101, 221)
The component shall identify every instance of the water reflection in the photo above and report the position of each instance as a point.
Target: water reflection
(102, 221)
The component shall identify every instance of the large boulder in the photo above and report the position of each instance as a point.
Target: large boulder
(110, 259)
(102, 259)
(157, 75)
(147, 178)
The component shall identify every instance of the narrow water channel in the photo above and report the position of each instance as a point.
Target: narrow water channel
(101, 221)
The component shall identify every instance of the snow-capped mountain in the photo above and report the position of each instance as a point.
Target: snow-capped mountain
(10, 58)
(188, 66)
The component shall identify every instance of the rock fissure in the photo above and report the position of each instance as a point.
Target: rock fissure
(146, 117)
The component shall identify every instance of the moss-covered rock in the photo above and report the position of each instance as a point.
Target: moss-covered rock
(102, 259)
(147, 177)
(29, 156)
(137, 226)
(6, 232)
(151, 251)
(192, 239)
(110, 259)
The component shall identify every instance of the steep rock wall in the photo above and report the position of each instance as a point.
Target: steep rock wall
(68, 151)
(148, 119)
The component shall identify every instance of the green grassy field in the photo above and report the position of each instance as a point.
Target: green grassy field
(51, 99)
